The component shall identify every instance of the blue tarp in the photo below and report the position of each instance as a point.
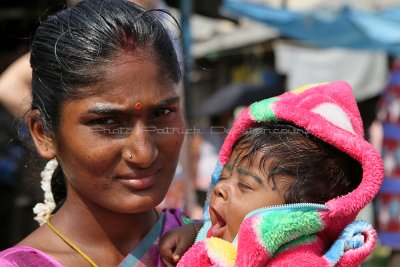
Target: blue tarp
(346, 27)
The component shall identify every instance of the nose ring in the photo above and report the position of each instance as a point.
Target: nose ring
(130, 156)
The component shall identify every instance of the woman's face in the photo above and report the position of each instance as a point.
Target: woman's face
(119, 149)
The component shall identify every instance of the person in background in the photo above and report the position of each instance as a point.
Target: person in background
(385, 135)
(15, 87)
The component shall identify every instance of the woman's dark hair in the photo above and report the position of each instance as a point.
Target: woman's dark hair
(74, 48)
(307, 169)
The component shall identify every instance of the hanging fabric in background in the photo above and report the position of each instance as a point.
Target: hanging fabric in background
(349, 25)
(365, 71)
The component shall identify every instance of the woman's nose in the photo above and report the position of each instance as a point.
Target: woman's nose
(141, 149)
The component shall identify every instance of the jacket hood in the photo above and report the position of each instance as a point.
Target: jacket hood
(329, 112)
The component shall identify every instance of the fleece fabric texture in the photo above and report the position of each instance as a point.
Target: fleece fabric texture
(301, 234)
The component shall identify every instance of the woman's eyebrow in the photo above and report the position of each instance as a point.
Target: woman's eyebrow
(100, 108)
(167, 102)
(246, 172)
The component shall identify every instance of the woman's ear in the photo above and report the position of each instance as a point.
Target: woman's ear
(44, 143)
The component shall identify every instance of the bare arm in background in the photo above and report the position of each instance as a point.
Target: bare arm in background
(376, 135)
(15, 87)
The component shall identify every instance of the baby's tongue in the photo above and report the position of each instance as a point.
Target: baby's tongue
(218, 229)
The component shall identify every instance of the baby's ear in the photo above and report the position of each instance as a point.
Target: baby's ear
(42, 139)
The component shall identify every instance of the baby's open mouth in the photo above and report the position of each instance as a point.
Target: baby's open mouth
(219, 227)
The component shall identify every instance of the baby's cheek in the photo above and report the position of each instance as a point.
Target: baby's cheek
(234, 221)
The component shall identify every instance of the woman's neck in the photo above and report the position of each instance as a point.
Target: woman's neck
(91, 224)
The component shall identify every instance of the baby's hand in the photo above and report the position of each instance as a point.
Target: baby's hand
(176, 242)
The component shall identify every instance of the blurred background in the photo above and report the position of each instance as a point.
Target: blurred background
(233, 52)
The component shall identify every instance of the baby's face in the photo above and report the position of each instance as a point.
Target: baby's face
(241, 189)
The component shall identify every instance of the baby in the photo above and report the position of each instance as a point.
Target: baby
(292, 174)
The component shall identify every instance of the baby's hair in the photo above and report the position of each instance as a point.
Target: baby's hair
(73, 50)
(307, 169)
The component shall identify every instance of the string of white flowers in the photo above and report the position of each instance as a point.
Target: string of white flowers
(44, 210)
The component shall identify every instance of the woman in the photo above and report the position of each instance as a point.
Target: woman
(104, 85)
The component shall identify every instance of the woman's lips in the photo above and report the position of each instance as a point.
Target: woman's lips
(138, 182)
(218, 229)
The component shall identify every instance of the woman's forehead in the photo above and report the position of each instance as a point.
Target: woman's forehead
(133, 74)
(127, 83)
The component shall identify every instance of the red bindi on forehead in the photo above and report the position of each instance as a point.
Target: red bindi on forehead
(138, 106)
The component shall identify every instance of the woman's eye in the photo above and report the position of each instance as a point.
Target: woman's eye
(162, 112)
(104, 121)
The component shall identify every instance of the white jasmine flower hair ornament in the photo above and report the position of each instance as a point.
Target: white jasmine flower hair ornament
(44, 210)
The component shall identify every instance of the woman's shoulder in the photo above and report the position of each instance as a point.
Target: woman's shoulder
(31, 251)
(26, 256)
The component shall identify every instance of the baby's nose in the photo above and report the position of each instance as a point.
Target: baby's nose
(221, 191)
